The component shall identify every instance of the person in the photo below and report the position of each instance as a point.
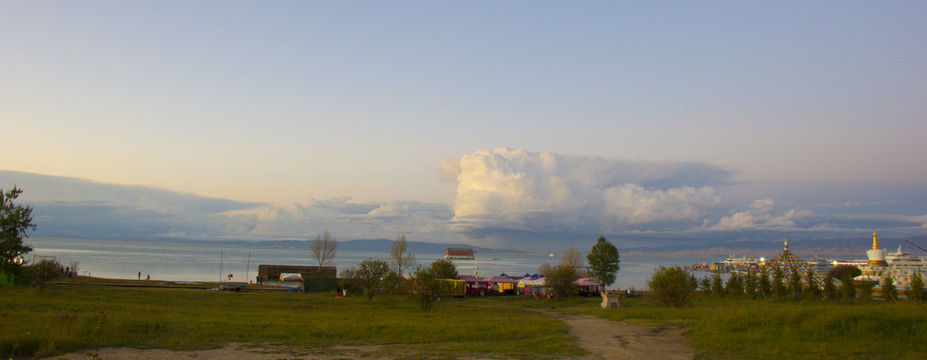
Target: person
(344, 292)
(139, 276)
(148, 277)
(338, 291)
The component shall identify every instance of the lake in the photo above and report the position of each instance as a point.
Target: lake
(205, 261)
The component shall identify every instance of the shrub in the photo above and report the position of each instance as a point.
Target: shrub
(562, 282)
(889, 292)
(735, 285)
(915, 291)
(717, 286)
(426, 287)
(672, 286)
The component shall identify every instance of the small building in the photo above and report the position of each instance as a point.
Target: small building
(589, 287)
(458, 254)
(305, 272)
(531, 286)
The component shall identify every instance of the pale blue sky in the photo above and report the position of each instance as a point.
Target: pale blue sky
(280, 102)
(363, 99)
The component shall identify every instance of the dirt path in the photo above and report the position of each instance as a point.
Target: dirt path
(609, 340)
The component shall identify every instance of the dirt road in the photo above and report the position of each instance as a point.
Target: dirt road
(609, 340)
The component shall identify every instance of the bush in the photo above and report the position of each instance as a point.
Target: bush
(562, 282)
(915, 291)
(672, 286)
(889, 292)
(426, 288)
(44, 271)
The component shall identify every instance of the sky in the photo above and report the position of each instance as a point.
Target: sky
(506, 124)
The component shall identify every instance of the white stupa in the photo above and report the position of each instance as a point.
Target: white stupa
(876, 254)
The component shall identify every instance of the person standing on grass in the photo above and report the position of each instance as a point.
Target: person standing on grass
(147, 277)
(338, 291)
(139, 276)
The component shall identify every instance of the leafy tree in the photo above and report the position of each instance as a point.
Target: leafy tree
(392, 284)
(562, 282)
(717, 286)
(323, 249)
(829, 289)
(604, 261)
(843, 272)
(44, 272)
(889, 291)
(545, 269)
(764, 284)
(865, 290)
(735, 285)
(848, 289)
(402, 259)
(915, 291)
(812, 288)
(370, 272)
(672, 286)
(778, 282)
(426, 288)
(750, 283)
(705, 284)
(795, 284)
(444, 269)
(15, 220)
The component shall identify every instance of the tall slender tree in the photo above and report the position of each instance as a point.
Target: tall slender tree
(323, 250)
(604, 261)
(402, 258)
(15, 220)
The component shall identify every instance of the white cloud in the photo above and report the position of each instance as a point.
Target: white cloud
(760, 215)
(517, 189)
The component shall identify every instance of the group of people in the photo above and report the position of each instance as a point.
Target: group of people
(339, 292)
(147, 276)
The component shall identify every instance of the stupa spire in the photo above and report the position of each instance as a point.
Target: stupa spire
(875, 241)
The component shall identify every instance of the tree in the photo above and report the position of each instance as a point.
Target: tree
(778, 284)
(842, 272)
(735, 285)
(561, 283)
(865, 290)
(323, 249)
(915, 290)
(426, 288)
(889, 291)
(795, 283)
(717, 285)
(829, 289)
(811, 282)
(369, 272)
(705, 284)
(545, 269)
(765, 286)
(444, 269)
(750, 282)
(401, 257)
(604, 261)
(672, 286)
(45, 271)
(15, 220)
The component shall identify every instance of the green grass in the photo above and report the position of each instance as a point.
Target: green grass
(73, 317)
(68, 318)
(725, 328)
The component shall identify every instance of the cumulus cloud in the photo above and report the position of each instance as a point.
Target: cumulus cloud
(760, 215)
(516, 189)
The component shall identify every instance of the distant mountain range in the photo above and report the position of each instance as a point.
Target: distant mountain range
(369, 245)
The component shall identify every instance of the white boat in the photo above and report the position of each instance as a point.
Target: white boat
(904, 260)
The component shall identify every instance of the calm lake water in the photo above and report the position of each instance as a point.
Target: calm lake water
(191, 261)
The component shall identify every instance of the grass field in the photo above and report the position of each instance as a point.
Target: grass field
(725, 328)
(66, 318)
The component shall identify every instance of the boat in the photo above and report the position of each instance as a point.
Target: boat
(458, 254)
(904, 260)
